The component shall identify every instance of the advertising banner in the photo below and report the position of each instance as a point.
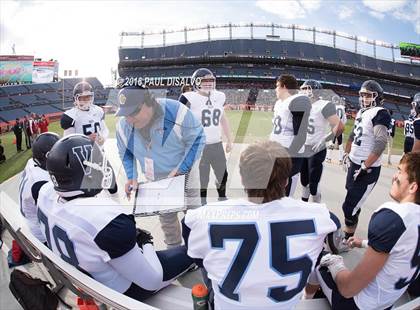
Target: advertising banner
(16, 69)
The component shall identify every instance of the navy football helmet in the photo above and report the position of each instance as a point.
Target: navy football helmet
(77, 166)
(41, 146)
(371, 94)
(311, 87)
(83, 95)
(416, 104)
(203, 80)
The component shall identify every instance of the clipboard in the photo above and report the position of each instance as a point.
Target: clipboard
(160, 197)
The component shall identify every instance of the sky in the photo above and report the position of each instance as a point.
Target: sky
(84, 35)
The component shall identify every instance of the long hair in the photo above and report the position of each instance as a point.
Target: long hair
(265, 168)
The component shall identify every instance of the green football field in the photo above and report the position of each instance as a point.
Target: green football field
(246, 127)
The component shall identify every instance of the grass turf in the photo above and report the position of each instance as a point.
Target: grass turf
(246, 127)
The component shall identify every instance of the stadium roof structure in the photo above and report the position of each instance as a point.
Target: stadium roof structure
(273, 31)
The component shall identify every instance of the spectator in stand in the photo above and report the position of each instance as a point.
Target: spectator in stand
(17, 130)
(43, 124)
(2, 157)
(27, 132)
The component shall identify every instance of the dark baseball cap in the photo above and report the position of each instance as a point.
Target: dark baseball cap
(130, 100)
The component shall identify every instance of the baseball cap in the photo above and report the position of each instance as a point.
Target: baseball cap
(130, 99)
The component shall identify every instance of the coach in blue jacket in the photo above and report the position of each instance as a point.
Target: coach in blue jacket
(164, 136)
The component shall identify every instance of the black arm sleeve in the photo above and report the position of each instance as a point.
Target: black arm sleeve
(184, 101)
(382, 118)
(300, 108)
(328, 110)
(66, 121)
(385, 228)
(35, 190)
(118, 237)
(416, 126)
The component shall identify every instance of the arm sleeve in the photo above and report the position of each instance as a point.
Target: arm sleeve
(127, 158)
(66, 121)
(382, 118)
(194, 140)
(184, 101)
(416, 125)
(380, 133)
(35, 190)
(385, 228)
(300, 108)
(328, 110)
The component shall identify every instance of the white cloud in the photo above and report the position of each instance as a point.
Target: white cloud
(384, 6)
(405, 10)
(289, 9)
(345, 12)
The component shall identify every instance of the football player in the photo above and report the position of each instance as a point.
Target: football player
(391, 134)
(409, 133)
(259, 251)
(416, 123)
(33, 177)
(207, 105)
(364, 150)
(290, 123)
(85, 117)
(340, 107)
(392, 258)
(323, 114)
(95, 234)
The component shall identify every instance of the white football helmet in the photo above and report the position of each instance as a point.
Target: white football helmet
(83, 95)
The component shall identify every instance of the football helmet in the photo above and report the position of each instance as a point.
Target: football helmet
(203, 80)
(371, 94)
(83, 95)
(41, 146)
(77, 166)
(416, 104)
(308, 88)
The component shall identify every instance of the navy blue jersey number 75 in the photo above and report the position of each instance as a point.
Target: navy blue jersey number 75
(280, 233)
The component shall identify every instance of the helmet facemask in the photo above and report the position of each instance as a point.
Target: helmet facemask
(103, 168)
(367, 99)
(84, 100)
(307, 91)
(205, 84)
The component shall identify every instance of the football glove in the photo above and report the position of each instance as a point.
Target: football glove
(363, 170)
(346, 162)
(143, 237)
(334, 263)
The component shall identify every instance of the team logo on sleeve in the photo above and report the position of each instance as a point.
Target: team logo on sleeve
(83, 153)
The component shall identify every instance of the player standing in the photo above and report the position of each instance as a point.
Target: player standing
(340, 107)
(259, 251)
(364, 148)
(323, 114)
(416, 123)
(409, 133)
(207, 105)
(85, 117)
(290, 124)
(391, 134)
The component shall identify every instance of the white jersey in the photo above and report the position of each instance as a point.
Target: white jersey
(283, 131)
(32, 178)
(409, 128)
(209, 110)
(364, 139)
(97, 236)
(341, 112)
(84, 122)
(395, 229)
(318, 124)
(258, 255)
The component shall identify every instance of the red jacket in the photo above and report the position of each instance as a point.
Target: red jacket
(43, 125)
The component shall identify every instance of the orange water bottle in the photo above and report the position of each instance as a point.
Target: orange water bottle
(200, 296)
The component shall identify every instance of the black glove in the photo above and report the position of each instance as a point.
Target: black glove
(143, 237)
